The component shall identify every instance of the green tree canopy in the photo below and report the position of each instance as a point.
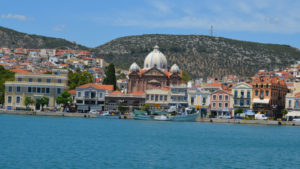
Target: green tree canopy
(185, 77)
(28, 101)
(79, 78)
(238, 111)
(64, 99)
(42, 101)
(5, 75)
(110, 78)
(145, 107)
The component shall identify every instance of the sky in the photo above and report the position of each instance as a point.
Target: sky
(95, 22)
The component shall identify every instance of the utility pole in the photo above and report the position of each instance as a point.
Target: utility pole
(211, 30)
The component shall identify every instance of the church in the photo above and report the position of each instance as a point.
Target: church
(155, 73)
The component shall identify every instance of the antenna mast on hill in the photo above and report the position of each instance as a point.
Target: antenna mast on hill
(211, 30)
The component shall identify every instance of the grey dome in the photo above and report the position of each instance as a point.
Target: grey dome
(156, 58)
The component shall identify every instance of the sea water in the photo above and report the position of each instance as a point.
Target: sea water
(32, 142)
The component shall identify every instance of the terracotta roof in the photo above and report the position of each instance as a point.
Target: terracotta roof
(21, 71)
(97, 86)
(214, 85)
(72, 92)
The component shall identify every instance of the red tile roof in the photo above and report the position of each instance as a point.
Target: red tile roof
(21, 71)
(97, 86)
(72, 92)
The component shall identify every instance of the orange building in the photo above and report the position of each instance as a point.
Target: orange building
(269, 95)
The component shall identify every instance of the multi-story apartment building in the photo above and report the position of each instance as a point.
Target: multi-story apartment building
(293, 98)
(34, 86)
(269, 95)
(92, 96)
(221, 103)
(242, 96)
(158, 98)
(178, 95)
(198, 98)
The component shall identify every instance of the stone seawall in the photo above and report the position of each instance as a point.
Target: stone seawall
(253, 122)
(62, 114)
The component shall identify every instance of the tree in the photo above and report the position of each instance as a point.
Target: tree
(28, 101)
(185, 77)
(121, 108)
(64, 99)
(238, 111)
(145, 107)
(48, 72)
(122, 76)
(110, 78)
(5, 75)
(42, 101)
(79, 78)
(284, 112)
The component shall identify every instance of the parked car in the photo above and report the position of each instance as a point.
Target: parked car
(94, 112)
(260, 117)
(226, 116)
(296, 119)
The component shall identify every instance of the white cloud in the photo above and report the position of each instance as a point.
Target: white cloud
(162, 7)
(59, 28)
(15, 16)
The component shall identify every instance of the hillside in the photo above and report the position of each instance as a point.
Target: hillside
(201, 56)
(13, 39)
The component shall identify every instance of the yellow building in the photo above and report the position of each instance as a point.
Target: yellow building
(34, 86)
(199, 98)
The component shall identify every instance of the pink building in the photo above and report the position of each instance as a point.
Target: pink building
(221, 103)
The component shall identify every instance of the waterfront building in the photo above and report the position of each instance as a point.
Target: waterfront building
(34, 86)
(293, 98)
(178, 95)
(242, 96)
(128, 102)
(198, 98)
(221, 103)
(268, 95)
(158, 98)
(154, 74)
(92, 96)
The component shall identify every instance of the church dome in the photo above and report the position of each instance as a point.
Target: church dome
(156, 58)
(134, 67)
(174, 69)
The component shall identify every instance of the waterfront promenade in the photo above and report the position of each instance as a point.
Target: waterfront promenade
(128, 117)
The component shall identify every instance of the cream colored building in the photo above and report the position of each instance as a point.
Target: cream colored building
(158, 98)
(242, 96)
(34, 86)
(198, 98)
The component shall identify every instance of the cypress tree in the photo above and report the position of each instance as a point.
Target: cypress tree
(110, 78)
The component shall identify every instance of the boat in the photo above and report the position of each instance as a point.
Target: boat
(185, 117)
(141, 115)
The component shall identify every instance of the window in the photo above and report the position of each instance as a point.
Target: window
(248, 102)
(235, 93)
(59, 81)
(192, 100)
(242, 94)
(38, 90)
(47, 90)
(79, 101)
(39, 80)
(226, 97)
(48, 80)
(235, 102)
(220, 104)
(43, 90)
(29, 89)
(242, 103)
(267, 93)
(9, 99)
(9, 89)
(19, 79)
(147, 97)
(18, 89)
(214, 104)
(166, 98)
(203, 100)
(34, 89)
(30, 79)
(18, 100)
(256, 92)
(58, 90)
(161, 97)
(226, 104)
(78, 94)
(220, 97)
(156, 97)
(297, 104)
(86, 94)
(290, 103)
(248, 94)
(214, 97)
(152, 97)
(100, 95)
(261, 94)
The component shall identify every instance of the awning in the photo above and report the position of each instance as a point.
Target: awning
(262, 101)
(293, 113)
(249, 113)
(83, 108)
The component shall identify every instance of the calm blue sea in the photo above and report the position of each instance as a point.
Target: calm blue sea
(31, 142)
